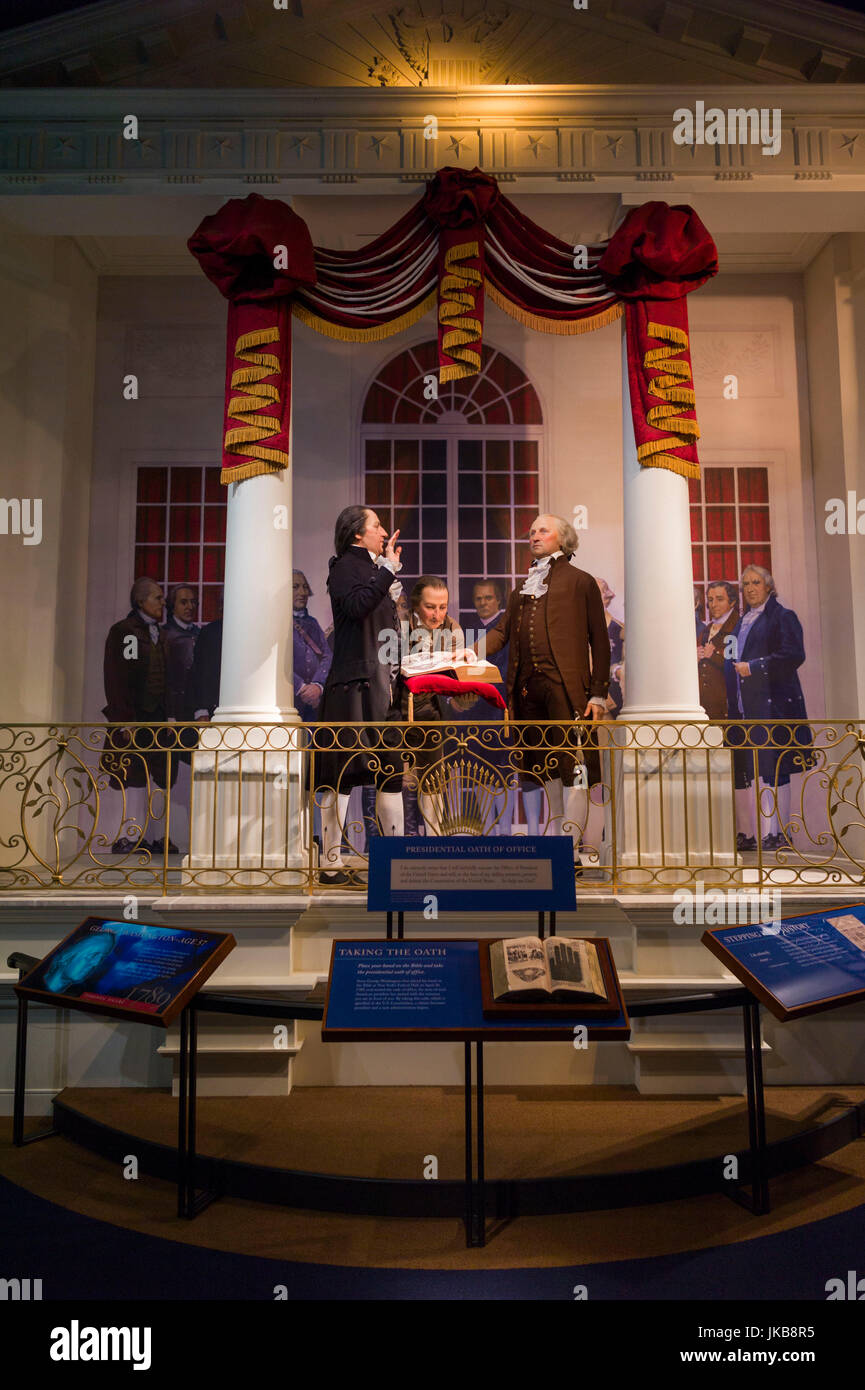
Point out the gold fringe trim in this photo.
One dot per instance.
(255, 395)
(565, 327)
(669, 386)
(246, 470)
(377, 334)
(457, 300)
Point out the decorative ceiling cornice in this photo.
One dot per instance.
(618, 137)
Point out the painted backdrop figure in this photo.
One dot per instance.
(722, 601)
(762, 684)
(359, 685)
(559, 668)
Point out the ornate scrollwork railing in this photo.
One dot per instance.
(98, 807)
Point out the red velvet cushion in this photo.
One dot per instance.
(449, 685)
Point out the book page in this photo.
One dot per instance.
(526, 964)
(574, 965)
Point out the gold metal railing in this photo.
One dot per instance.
(99, 807)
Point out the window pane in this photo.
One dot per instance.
(405, 520)
(427, 356)
(471, 523)
(210, 598)
(378, 406)
(150, 525)
(695, 491)
(377, 489)
(214, 523)
(753, 485)
(378, 454)
(722, 561)
(435, 523)
(720, 523)
(183, 564)
(526, 489)
(435, 489)
(498, 523)
(499, 489)
(150, 562)
(405, 455)
(498, 557)
(410, 562)
(471, 487)
(696, 524)
(754, 523)
(471, 557)
(214, 564)
(185, 524)
(213, 489)
(525, 456)
(697, 561)
(186, 484)
(408, 412)
(470, 455)
(719, 485)
(757, 555)
(435, 557)
(523, 518)
(505, 373)
(152, 484)
(405, 489)
(498, 457)
(435, 455)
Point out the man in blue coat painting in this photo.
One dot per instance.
(312, 654)
(762, 684)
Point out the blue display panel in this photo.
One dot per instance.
(127, 969)
(518, 873)
(428, 991)
(798, 964)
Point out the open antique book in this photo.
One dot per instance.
(524, 968)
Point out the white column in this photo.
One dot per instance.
(661, 677)
(257, 631)
(673, 786)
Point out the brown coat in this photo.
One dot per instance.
(713, 685)
(576, 627)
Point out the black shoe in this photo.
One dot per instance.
(125, 846)
(158, 846)
(334, 877)
(744, 843)
(773, 842)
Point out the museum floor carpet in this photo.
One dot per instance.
(391, 1131)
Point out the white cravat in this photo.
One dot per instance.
(152, 624)
(535, 585)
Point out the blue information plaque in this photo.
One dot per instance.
(127, 969)
(798, 965)
(429, 991)
(508, 873)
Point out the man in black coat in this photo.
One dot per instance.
(134, 671)
(359, 685)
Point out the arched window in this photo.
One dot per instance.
(455, 467)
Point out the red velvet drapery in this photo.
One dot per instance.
(462, 240)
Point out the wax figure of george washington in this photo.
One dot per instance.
(558, 668)
(359, 684)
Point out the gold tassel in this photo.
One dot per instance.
(255, 396)
(376, 334)
(668, 386)
(246, 470)
(564, 327)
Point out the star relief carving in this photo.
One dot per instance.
(299, 144)
(848, 143)
(66, 144)
(613, 143)
(536, 144)
(375, 144)
(456, 142)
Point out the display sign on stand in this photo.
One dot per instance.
(430, 991)
(475, 873)
(798, 965)
(129, 970)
